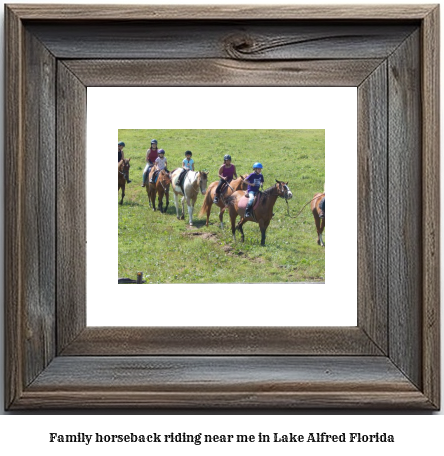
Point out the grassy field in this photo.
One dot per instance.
(166, 250)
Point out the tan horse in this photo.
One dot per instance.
(262, 213)
(194, 182)
(236, 184)
(319, 222)
(123, 169)
(162, 188)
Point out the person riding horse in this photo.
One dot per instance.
(121, 155)
(159, 165)
(255, 181)
(187, 165)
(226, 173)
(151, 155)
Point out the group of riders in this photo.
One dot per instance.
(156, 162)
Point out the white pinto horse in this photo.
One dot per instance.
(194, 182)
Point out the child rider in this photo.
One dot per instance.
(255, 181)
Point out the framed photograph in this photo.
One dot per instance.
(389, 359)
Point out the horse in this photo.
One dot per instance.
(123, 168)
(262, 210)
(192, 183)
(236, 184)
(319, 222)
(162, 188)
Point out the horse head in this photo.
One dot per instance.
(203, 181)
(283, 190)
(167, 179)
(243, 183)
(124, 167)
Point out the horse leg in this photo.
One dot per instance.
(318, 226)
(233, 224)
(182, 217)
(160, 202)
(167, 198)
(221, 217)
(123, 193)
(148, 195)
(239, 227)
(152, 197)
(190, 205)
(321, 229)
(176, 204)
(263, 227)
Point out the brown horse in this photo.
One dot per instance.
(162, 188)
(123, 168)
(261, 213)
(319, 222)
(236, 184)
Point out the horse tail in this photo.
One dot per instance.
(229, 200)
(206, 203)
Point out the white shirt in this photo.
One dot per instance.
(160, 162)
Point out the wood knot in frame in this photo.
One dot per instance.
(239, 46)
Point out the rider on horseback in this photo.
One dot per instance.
(151, 155)
(255, 180)
(187, 165)
(159, 164)
(121, 155)
(226, 173)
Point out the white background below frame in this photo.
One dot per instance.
(331, 304)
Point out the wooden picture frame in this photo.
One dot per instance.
(390, 360)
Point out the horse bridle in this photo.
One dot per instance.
(122, 173)
(161, 183)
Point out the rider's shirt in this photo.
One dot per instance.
(161, 163)
(228, 173)
(152, 155)
(188, 163)
(256, 179)
(120, 155)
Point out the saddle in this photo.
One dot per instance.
(155, 176)
(224, 188)
(181, 178)
(243, 202)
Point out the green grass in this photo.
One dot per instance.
(166, 250)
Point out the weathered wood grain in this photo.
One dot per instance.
(127, 341)
(430, 95)
(71, 206)
(38, 222)
(216, 40)
(234, 382)
(372, 207)
(408, 377)
(221, 72)
(13, 185)
(405, 209)
(220, 12)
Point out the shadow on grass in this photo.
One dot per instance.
(131, 203)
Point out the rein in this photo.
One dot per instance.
(161, 182)
(303, 207)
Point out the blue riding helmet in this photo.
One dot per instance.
(257, 165)
(188, 152)
(121, 143)
(154, 141)
(160, 151)
(227, 157)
